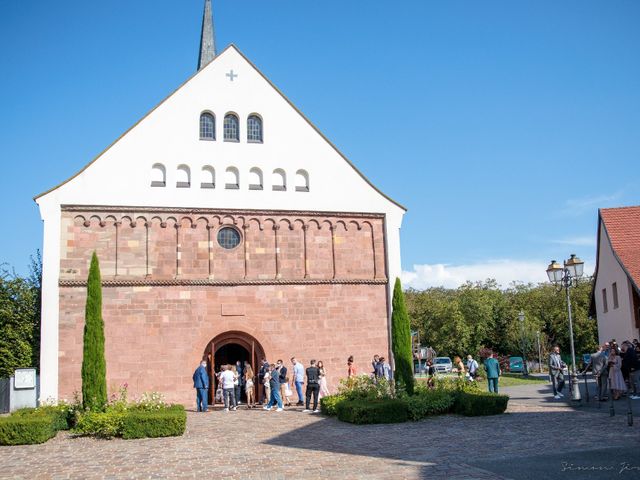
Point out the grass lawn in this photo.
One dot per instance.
(506, 380)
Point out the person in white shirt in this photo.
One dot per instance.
(472, 367)
(298, 378)
(227, 378)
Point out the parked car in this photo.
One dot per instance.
(516, 365)
(443, 364)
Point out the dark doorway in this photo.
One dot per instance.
(229, 354)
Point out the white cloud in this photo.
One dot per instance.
(581, 241)
(452, 276)
(582, 205)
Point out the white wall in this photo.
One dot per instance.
(121, 176)
(618, 322)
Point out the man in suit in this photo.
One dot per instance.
(556, 367)
(492, 367)
(201, 384)
(601, 372)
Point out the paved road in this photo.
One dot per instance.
(294, 445)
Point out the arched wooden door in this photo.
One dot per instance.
(246, 341)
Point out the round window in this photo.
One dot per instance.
(228, 238)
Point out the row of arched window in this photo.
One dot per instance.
(231, 127)
(231, 178)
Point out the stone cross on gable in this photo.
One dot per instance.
(232, 75)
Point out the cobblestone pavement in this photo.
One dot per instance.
(290, 445)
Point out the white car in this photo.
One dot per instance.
(443, 364)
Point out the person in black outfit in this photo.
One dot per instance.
(313, 386)
(264, 368)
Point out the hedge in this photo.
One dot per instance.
(480, 403)
(434, 402)
(142, 424)
(372, 411)
(328, 404)
(27, 430)
(60, 415)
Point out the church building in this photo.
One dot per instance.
(227, 227)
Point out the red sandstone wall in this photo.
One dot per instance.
(155, 336)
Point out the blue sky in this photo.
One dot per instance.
(501, 125)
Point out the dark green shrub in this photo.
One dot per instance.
(59, 414)
(94, 366)
(374, 411)
(431, 402)
(329, 403)
(480, 403)
(401, 341)
(170, 422)
(26, 429)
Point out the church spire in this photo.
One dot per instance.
(207, 39)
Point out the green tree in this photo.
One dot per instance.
(94, 367)
(19, 318)
(401, 340)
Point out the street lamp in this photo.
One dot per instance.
(566, 276)
(525, 372)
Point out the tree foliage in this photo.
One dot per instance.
(401, 340)
(94, 367)
(20, 318)
(476, 315)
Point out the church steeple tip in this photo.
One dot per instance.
(207, 37)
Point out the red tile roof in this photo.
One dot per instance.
(623, 227)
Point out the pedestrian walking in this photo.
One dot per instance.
(556, 371)
(492, 366)
(201, 384)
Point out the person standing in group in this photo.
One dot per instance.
(298, 379)
(472, 367)
(249, 388)
(284, 383)
(201, 384)
(616, 380)
(240, 385)
(274, 384)
(266, 384)
(313, 386)
(387, 373)
(236, 384)
(324, 389)
(264, 369)
(457, 361)
(635, 375)
(351, 368)
(374, 365)
(601, 372)
(556, 370)
(227, 378)
(492, 366)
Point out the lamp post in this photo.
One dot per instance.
(566, 276)
(525, 372)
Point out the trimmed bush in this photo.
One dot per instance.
(434, 402)
(376, 411)
(329, 403)
(101, 424)
(26, 429)
(480, 403)
(60, 415)
(170, 422)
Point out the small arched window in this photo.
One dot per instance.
(279, 180)
(208, 177)
(158, 175)
(207, 126)
(232, 178)
(302, 181)
(183, 177)
(254, 129)
(231, 128)
(255, 179)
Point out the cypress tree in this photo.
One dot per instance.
(401, 340)
(94, 367)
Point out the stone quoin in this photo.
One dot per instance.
(227, 228)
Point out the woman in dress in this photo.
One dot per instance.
(351, 368)
(457, 361)
(248, 386)
(616, 380)
(267, 385)
(324, 390)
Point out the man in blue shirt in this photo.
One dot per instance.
(298, 379)
(201, 384)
